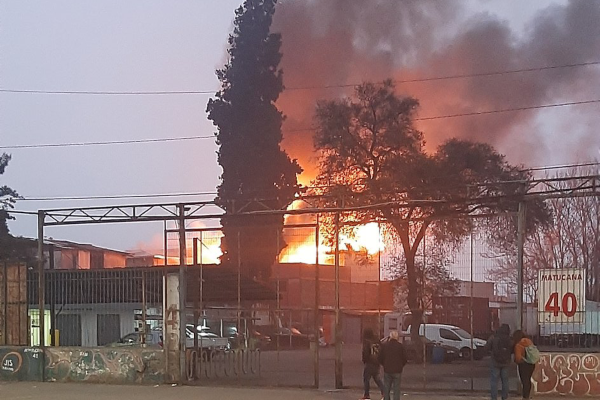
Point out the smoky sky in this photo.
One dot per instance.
(338, 42)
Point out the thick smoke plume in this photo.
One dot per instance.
(337, 42)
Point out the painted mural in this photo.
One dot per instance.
(575, 374)
(104, 365)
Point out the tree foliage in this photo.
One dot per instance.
(372, 153)
(8, 198)
(249, 135)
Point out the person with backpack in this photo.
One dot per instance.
(370, 358)
(393, 359)
(501, 347)
(526, 357)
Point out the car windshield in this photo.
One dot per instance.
(462, 333)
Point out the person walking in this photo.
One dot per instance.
(370, 358)
(526, 357)
(501, 348)
(393, 359)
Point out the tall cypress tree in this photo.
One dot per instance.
(249, 135)
(9, 246)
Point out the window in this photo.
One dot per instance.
(448, 334)
(462, 333)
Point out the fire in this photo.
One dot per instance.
(366, 237)
(304, 253)
(363, 238)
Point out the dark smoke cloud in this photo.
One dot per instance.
(332, 42)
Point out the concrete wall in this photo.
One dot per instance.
(576, 374)
(75, 364)
(104, 365)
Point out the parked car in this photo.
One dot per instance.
(153, 339)
(206, 339)
(449, 353)
(285, 338)
(454, 337)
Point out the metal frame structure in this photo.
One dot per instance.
(181, 212)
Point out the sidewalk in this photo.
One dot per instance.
(89, 391)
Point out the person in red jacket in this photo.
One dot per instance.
(525, 369)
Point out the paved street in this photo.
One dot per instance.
(79, 391)
(295, 368)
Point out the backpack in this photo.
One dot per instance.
(502, 349)
(532, 355)
(374, 353)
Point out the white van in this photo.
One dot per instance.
(453, 336)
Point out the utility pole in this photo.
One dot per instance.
(521, 217)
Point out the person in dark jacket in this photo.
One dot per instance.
(393, 359)
(501, 347)
(370, 358)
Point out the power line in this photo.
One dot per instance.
(104, 143)
(294, 88)
(572, 103)
(135, 141)
(458, 76)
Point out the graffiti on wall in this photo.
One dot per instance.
(568, 373)
(104, 365)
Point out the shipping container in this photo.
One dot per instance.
(456, 310)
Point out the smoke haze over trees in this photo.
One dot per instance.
(249, 136)
(371, 154)
(341, 41)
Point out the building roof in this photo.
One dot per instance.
(65, 244)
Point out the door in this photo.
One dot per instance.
(108, 329)
(69, 329)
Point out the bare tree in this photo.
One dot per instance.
(571, 240)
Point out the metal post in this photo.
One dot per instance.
(201, 304)
(338, 328)
(471, 304)
(317, 302)
(423, 315)
(52, 298)
(182, 297)
(165, 244)
(520, 249)
(379, 281)
(41, 278)
(196, 300)
(278, 307)
(144, 305)
(239, 284)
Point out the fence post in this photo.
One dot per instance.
(520, 249)
(41, 279)
(182, 296)
(316, 311)
(338, 328)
